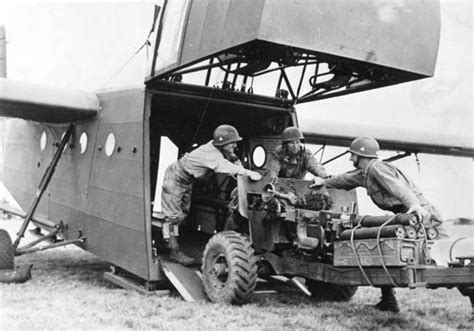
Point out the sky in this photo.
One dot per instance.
(85, 45)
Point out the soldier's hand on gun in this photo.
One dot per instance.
(253, 175)
(423, 215)
(317, 182)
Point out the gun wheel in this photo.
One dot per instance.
(6, 251)
(229, 268)
(330, 292)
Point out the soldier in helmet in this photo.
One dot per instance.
(292, 160)
(218, 155)
(389, 188)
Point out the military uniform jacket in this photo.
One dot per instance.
(282, 165)
(180, 176)
(207, 159)
(388, 187)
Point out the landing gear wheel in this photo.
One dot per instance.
(229, 268)
(330, 292)
(6, 251)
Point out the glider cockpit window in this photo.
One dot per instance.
(254, 47)
(169, 39)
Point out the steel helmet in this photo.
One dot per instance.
(365, 146)
(225, 134)
(291, 133)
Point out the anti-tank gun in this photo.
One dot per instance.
(318, 235)
(314, 226)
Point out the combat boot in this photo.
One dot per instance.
(388, 302)
(176, 254)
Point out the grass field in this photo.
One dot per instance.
(67, 291)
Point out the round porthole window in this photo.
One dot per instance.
(110, 144)
(43, 140)
(259, 156)
(83, 142)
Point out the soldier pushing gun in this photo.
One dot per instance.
(389, 188)
(218, 155)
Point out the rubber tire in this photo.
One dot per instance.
(233, 255)
(6, 251)
(330, 292)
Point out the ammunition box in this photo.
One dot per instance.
(395, 252)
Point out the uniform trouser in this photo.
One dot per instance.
(176, 194)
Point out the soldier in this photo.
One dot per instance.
(389, 188)
(289, 160)
(292, 160)
(218, 155)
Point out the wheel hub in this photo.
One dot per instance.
(219, 269)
